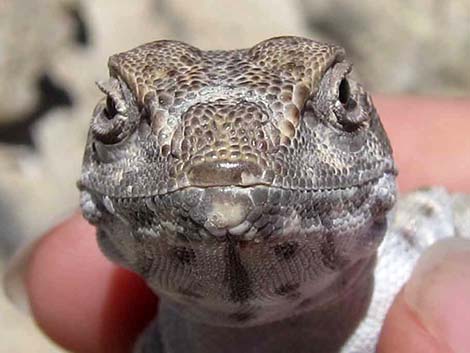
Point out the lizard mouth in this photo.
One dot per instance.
(228, 173)
(252, 211)
(246, 174)
(256, 211)
(242, 175)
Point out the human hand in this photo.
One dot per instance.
(87, 304)
(432, 312)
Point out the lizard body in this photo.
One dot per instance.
(250, 188)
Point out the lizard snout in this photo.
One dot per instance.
(220, 173)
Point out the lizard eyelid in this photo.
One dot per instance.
(115, 101)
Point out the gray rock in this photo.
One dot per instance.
(417, 46)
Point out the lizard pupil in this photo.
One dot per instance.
(344, 95)
(110, 111)
(344, 92)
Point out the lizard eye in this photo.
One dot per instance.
(343, 100)
(109, 122)
(344, 93)
(115, 116)
(350, 115)
(110, 110)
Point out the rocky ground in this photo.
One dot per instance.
(51, 52)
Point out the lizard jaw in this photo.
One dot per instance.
(246, 213)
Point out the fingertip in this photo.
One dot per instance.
(129, 306)
(61, 301)
(432, 312)
(402, 332)
(79, 298)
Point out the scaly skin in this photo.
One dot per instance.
(250, 189)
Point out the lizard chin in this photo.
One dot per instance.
(232, 251)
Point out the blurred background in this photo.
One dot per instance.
(52, 52)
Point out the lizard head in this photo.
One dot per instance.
(231, 165)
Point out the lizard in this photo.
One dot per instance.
(255, 192)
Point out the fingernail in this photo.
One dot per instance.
(438, 292)
(14, 278)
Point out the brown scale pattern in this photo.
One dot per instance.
(284, 71)
(272, 104)
(224, 132)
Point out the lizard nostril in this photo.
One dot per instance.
(225, 173)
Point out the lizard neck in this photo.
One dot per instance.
(323, 329)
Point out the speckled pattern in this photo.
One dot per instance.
(244, 105)
(250, 189)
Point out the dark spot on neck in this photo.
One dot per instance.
(242, 316)
(329, 254)
(236, 275)
(288, 288)
(184, 255)
(287, 250)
